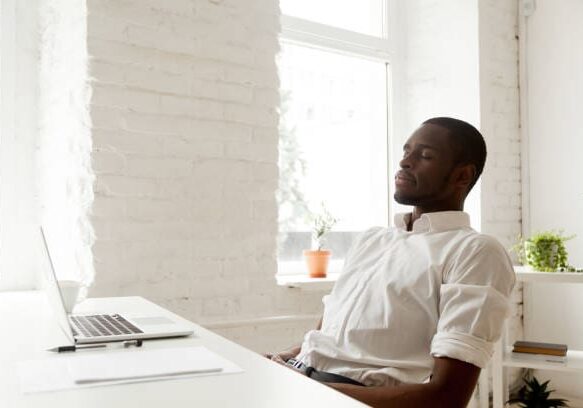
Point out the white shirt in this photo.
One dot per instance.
(403, 297)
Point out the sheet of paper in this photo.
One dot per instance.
(113, 367)
(144, 364)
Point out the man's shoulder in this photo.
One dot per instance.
(371, 237)
(483, 249)
(477, 241)
(374, 231)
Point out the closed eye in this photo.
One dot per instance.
(418, 154)
(423, 151)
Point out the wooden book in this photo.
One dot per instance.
(532, 347)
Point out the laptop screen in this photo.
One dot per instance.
(51, 287)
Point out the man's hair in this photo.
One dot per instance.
(468, 143)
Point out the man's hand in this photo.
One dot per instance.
(283, 356)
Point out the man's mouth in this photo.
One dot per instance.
(403, 178)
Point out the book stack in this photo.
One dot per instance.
(530, 350)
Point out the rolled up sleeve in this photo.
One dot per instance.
(474, 302)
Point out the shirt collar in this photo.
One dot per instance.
(435, 221)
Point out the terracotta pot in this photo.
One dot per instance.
(317, 263)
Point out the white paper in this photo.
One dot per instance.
(113, 367)
(144, 364)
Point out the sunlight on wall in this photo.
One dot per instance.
(65, 176)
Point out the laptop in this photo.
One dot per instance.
(101, 328)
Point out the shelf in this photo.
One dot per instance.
(503, 356)
(574, 362)
(525, 274)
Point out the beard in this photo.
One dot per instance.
(422, 199)
(406, 200)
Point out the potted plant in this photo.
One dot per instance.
(544, 251)
(317, 258)
(535, 395)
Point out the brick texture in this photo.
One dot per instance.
(499, 119)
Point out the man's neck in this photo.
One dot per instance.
(419, 211)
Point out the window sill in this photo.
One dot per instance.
(293, 274)
(304, 282)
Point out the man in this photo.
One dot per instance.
(417, 308)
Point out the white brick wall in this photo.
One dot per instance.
(499, 119)
(184, 115)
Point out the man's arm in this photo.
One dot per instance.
(283, 356)
(451, 386)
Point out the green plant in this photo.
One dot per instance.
(535, 395)
(323, 223)
(544, 251)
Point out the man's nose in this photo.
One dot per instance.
(405, 162)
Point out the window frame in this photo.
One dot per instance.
(299, 31)
(309, 33)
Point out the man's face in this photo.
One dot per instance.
(424, 177)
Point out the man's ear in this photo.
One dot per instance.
(464, 175)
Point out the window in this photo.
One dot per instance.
(364, 16)
(334, 85)
(18, 132)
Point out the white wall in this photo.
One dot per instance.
(555, 88)
(184, 124)
(458, 63)
(440, 72)
(442, 58)
(554, 63)
(19, 49)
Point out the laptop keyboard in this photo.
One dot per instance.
(102, 325)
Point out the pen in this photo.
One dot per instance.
(62, 349)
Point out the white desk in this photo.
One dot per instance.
(29, 330)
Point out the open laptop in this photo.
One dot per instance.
(100, 328)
